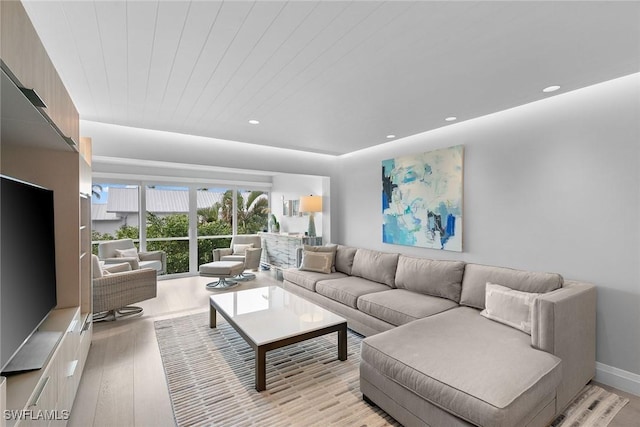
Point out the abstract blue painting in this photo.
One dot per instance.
(422, 199)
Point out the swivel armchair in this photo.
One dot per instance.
(246, 248)
(116, 287)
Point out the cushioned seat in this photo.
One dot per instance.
(347, 290)
(308, 279)
(400, 306)
(155, 265)
(222, 270)
(478, 369)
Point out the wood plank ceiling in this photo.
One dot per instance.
(326, 76)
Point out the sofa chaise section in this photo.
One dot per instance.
(479, 370)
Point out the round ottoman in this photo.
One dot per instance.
(222, 270)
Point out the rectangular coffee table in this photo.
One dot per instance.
(270, 317)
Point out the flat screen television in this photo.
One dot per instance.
(27, 263)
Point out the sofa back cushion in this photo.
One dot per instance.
(476, 277)
(376, 266)
(344, 259)
(430, 277)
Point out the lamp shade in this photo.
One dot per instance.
(311, 204)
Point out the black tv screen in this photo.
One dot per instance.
(27, 262)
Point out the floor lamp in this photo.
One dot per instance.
(311, 205)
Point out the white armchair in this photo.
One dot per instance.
(246, 248)
(123, 250)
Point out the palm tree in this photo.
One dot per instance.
(252, 217)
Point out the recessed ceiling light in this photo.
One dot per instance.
(390, 136)
(254, 122)
(451, 118)
(550, 89)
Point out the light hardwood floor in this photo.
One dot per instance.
(124, 383)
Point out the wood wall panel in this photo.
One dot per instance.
(22, 51)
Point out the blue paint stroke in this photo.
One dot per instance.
(393, 232)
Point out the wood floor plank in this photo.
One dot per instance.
(115, 397)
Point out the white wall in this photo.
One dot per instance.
(552, 186)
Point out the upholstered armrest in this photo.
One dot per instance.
(219, 253)
(122, 289)
(155, 256)
(152, 256)
(563, 322)
(252, 258)
(117, 268)
(299, 254)
(135, 265)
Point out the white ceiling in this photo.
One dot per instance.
(326, 76)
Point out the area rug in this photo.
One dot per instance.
(594, 407)
(210, 375)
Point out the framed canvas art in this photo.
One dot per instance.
(422, 199)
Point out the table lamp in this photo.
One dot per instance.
(310, 205)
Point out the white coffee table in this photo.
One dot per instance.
(270, 317)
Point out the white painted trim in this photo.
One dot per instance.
(618, 378)
(121, 161)
(176, 179)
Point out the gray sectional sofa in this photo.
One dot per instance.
(435, 355)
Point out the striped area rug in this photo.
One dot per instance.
(210, 373)
(594, 407)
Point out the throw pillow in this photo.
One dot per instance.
(328, 248)
(319, 262)
(508, 306)
(127, 253)
(241, 249)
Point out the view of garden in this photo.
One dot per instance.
(169, 231)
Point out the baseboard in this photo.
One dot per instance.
(618, 378)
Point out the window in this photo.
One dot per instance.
(167, 213)
(186, 222)
(253, 211)
(215, 221)
(114, 213)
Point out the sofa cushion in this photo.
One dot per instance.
(479, 370)
(431, 277)
(321, 262)
(344, 258)
(476, 277)
(508, 306)
(308, 279)
(349, 289)
(400, 306)
(377, 266)
(328, 248)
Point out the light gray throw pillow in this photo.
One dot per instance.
(508, 306)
